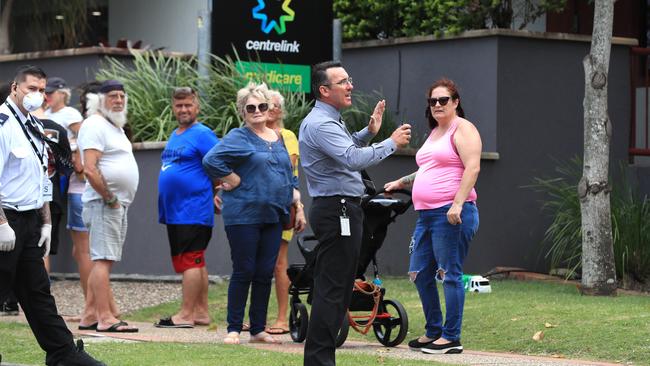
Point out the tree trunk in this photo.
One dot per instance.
(5, 17)
(598, 265)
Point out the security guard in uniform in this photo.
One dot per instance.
(25, 229)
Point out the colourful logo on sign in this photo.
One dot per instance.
(279, 26)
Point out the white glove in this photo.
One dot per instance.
(7, 238)
(46, 237)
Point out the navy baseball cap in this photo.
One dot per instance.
(54, 84)
(110, 85)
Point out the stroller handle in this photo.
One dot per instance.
(367, 199)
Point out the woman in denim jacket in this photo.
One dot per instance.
(258, 187)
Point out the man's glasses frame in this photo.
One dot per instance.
(344, 82)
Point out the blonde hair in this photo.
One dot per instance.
(68, 93)
(259, 91)
(277, 94)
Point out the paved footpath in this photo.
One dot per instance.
(149, 333)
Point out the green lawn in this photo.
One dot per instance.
(18, 345)
(593, 328)
(609, 329)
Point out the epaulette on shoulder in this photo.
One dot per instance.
(3, 119)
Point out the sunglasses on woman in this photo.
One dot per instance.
(442, 100)
(263, 107)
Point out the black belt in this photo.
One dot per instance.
(16, 212)
(352, 199)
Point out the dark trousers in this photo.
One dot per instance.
(22, 271)
(334, 272)
(254, 251)
(11, 299)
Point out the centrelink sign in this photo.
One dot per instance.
(286, 36)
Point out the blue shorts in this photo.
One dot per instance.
(75, 222)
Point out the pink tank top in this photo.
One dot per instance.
(440, 172)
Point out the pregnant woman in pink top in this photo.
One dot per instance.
(444, 196)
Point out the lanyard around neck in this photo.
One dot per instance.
(29, 138)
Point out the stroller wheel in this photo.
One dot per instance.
(298, 322)
(391, 330)
(343, 332)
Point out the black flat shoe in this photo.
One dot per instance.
(80, 358)
(416, 345)
(451, 347)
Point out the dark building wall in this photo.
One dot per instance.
(525, 96)
(76, 66)
(146, 250)
(540, 114)
(404, 72)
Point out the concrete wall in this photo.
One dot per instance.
(147, 251)
(76, 66)
(523, 91)
(171, 24)
(541, 90)
(403, 74)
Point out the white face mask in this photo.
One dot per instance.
(33, 101)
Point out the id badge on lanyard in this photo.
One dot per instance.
(345, 220)
(47, 189)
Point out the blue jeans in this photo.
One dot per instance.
(253, 250)
(438, 250)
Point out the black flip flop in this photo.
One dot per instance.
(88, 327)
(115, 328)
(169, 323)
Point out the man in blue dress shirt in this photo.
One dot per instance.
(332, 159)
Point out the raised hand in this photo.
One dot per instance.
(375, 119)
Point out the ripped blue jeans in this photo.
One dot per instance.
(438, 250)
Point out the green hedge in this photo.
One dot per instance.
(371, 19)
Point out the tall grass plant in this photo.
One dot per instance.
(151, 77)
(630, 223)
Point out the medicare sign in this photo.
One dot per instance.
(285, 36)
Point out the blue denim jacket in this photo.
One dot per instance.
(267, 181)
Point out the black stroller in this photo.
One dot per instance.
(387, 318)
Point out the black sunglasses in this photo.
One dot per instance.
(263, 107)
(443, 101)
